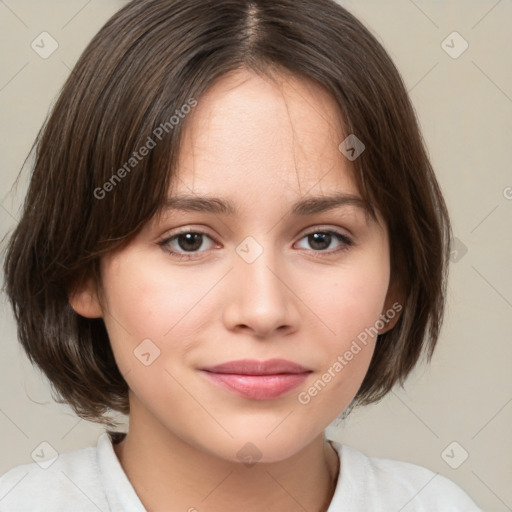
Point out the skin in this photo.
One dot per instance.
(263, 145)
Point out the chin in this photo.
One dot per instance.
(252, 446)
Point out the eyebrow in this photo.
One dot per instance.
(307, 206)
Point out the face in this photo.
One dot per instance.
(268, 282)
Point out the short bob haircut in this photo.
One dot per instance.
(150, 59)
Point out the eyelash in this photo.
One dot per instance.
(346, 243)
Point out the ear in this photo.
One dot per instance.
(393, 306)
(84, 300)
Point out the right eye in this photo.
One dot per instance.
(184, 244)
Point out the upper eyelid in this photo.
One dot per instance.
(314, 229)
(188, 229)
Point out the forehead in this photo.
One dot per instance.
(251, 135)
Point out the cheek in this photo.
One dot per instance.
(156, 303)
(349, 299)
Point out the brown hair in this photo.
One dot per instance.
(151, 58)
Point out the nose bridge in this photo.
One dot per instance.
(260, 298)
(253, 268)
(257, 259)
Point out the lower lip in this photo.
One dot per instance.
(257, 387)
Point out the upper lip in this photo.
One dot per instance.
(254, 367)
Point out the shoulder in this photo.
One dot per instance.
(69, 482)
(386, 484)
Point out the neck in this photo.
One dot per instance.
(170, 474)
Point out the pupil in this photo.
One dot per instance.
(324, 239)
(189, 239)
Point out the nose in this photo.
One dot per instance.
(261, 297)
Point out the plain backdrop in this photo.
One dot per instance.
(454, 416)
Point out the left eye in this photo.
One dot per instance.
(321, 240)
(186, 245)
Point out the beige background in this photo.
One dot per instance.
(465, 109)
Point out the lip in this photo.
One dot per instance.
(254, 367)
(257, 380)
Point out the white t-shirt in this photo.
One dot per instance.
(92, 480)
